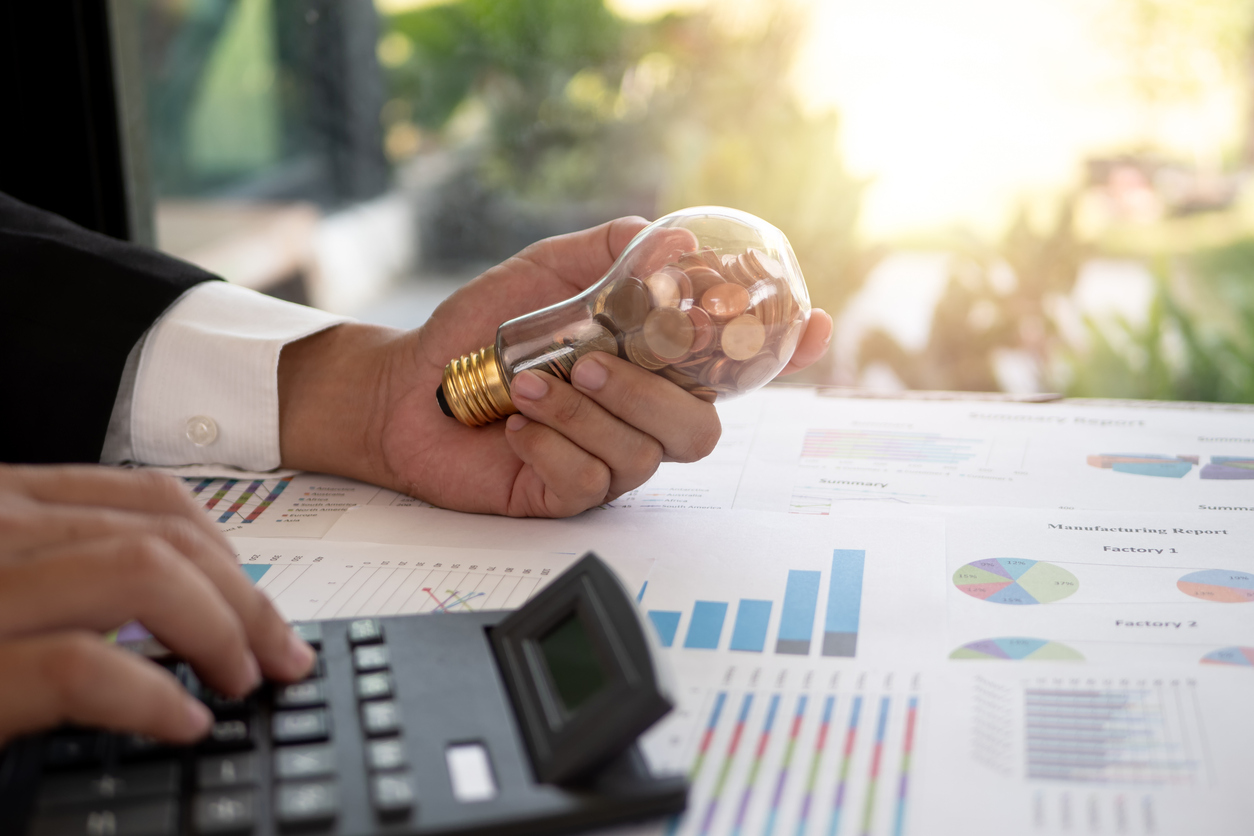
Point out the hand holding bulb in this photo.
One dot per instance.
(576, 444)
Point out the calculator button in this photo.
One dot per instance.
(385, 754)
(224, 812)
(223, 706)
(227, 771)
(309, 802)
(379, 718)
(318, 670)
(374, 686)
(308, 694)
(364, 631)
(90, 787)
(392, 794)
(310, 631)
(65, 751)
(229, 735)
(300, 726)
(372, 657)
(134, 747)
(304, 762)
(149, 818)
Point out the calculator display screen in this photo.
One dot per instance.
(572, 662)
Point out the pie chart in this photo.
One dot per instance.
(1239, 656)
(1018, 648)
(1220, 585)
(1015, 580)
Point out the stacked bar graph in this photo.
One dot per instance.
(1149, 735)
(751, 618)
(237, 500)
(768, 763)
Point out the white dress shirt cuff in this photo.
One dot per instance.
(206, 383)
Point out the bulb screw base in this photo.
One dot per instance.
(474, 390)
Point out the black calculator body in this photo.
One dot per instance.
(406, 726)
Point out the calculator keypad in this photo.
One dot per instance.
(268, 765)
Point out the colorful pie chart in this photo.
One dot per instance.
(1144, 464)
(1219, 585)
(1015, 580)
(1239, 656)
(1017, 648)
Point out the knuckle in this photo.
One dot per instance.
(701, 441)
(649, 456)
(572, 409)
(179, 531)
(145, 558)
(591, 480)
(159, 486)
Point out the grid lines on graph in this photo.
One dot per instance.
(882, 445)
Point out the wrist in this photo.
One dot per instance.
(332, 395)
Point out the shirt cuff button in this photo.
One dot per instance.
(202, 430)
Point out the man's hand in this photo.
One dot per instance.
(360, 401)
(84, 550)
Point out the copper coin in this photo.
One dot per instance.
(711, 258)
(770, 265)
(742, 337)
(690, 261)
(638, 352)
(628, 304)
(702, 279)
(704, 330)
(678, 376)
(766, 305)
(716, 373)
(669, 333)
(756, 372)
(734, 272)
(705, 393)
(663, 287)
(725, 301)
(749, 258)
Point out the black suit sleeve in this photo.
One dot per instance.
(73, 304)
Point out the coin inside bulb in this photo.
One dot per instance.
(743, 337)
(669, 333)
(628, 304)
(725, 301)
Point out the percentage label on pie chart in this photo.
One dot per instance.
(1017, 648)
(1239, 656)
(1015, 580)
(1220, 585)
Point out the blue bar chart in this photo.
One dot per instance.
(745, 625)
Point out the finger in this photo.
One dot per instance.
(76, 677)
(686, 426)
(280, 653)
(104, 583)
(631, 455)
(558, 478)
(813, 343)
(130, 490)
(581, 258)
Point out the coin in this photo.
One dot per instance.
(702, 278)
(705, 393)
(598, 338)
(669, 333)
(613, 330)
(725, 301)
(769, 265)
(742, 337)
(788, 343)
(715, 373)
(734, 272)
(754, 373)
(628, 304)
(638, 352)
(704, 330)
(663, 287)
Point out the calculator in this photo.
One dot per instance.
(469, 723)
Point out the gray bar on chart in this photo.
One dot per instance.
(840, 644)
(794, 647)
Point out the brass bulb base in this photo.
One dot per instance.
(475, 390)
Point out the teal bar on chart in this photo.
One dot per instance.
(706, 627)
(796, 622)
(844, 603)
(255, 571)
(666, 622)
(749, 629)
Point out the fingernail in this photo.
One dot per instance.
(299, 654)
(589, 374)
(516, 422)
(199, 718)
(530, 386)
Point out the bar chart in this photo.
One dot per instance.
(237, 500)
(785, 763)
(707, 621)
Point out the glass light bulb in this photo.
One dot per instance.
(710, 298)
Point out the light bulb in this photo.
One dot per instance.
(710, 298)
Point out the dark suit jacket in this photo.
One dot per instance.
(72, 304)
